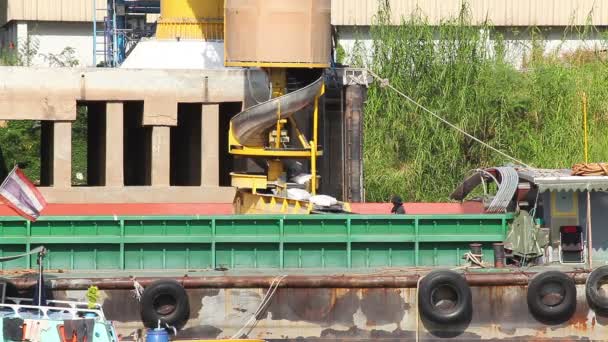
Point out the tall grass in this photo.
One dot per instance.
(455, 70)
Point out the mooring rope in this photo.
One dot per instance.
(37, 250)
(384, 83)
(138, 290)
(590, 169)
(274, 285)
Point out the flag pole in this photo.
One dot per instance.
(40, 278)
(586, 152)
(8, 176)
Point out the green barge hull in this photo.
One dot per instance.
(347, 277)
(250, 242)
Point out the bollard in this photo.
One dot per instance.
(476, 250)
(499, 254)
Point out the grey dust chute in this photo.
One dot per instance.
(268, 134)
(251, 125)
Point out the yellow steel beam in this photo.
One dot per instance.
(249, 203)
(299, 134)
(262, 152)
(248, 181)
(314, 144)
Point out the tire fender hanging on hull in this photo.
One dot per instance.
(597, 299)
(551, 297)
(444, 297)
(165, 301)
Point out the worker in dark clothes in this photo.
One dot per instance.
(397, 205)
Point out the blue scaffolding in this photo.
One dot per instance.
(119, 37)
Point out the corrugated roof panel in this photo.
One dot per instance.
(562, 180)
(500, 13)
(50, 10)
(580, 185)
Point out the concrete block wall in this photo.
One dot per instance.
(114, 189)
(133, 123)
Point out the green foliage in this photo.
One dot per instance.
(20, 143)
(340, 54)
(20, 55)
(455, 70)
(28, 49)
(9, 56)
(66, 58)
(92, 296)
(79, 147)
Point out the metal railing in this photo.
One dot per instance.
(75, 310)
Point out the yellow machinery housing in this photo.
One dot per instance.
(191, 19)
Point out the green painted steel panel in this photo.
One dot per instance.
(80, 257)
(13, 228)
(449, 253)
(9, 250)
(308, 227)
(141, 256)
(247, 255)
(250, 242)
(315, 255)
(393, 254)
(75, 228)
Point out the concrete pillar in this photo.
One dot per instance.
(24, 44)
(353, 117)
(161, 155)
(114, 144)
(21, 31)
(210, 171)
(62, 154)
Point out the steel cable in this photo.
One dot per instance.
(384, 82)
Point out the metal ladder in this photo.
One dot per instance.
(99, 53)
(103, 40)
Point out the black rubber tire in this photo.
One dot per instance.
(167, 301)
(462, 309)
(551, 314)
(595, 300)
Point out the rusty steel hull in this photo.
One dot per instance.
(334, 307)
(391, 280)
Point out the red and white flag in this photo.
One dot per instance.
(20, 194)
